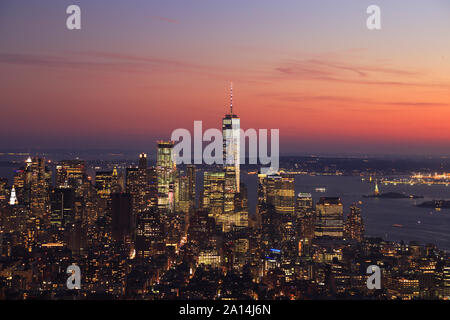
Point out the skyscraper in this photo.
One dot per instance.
(191, 174)
(122, 217)
(231, 155)
(305, 215)
(329, 218)
(137, 184)
(142, 161)
(354, 225)
(4, 191)
(70, 173)
(38, 180)
(149, 234)
(152, 183)
(182, 199)
(166, 170)
(277, 190)
(213, 192)
(62, 206)
(105, 182)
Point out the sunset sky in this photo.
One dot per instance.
(139, 69)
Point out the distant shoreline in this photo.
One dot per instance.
(393, 195)
(435, 204)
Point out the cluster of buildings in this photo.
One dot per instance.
(145, 233)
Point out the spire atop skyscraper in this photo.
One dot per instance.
(231, 98)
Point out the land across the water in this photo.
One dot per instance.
(393, 195)
(435, 204)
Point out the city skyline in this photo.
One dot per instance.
(138, 231)
(241, 151)
(312, 70)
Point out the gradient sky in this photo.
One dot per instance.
(139, 69)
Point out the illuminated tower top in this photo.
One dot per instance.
(143, 161)
(28, 162)
(13, 199)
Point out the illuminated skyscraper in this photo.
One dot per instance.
(152, 183)
(185, 190)
(231, 155)
(70, 173)
(191, 174)
(354, 225)
(166, 171)
(19, 184)
(4, 194)
(284, 200)
(142, 161)
(105, 182)
(277, 190)
(182, 199)
(329, 218)
(446, 281)
(306, 222)
(276, 208)
(132, 183)
(137, 184)
(38, 178)
(304, 202)
(149, 234)
(306, 216)
(213, 192)
(62, 206)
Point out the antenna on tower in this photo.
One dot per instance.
(231, 98)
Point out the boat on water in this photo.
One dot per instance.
(321, 189)
(397, 226)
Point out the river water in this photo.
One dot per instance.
(419, 224)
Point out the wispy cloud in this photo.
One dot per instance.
(105, 62)
(309, 99)
(351, 73)
(128, 63)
